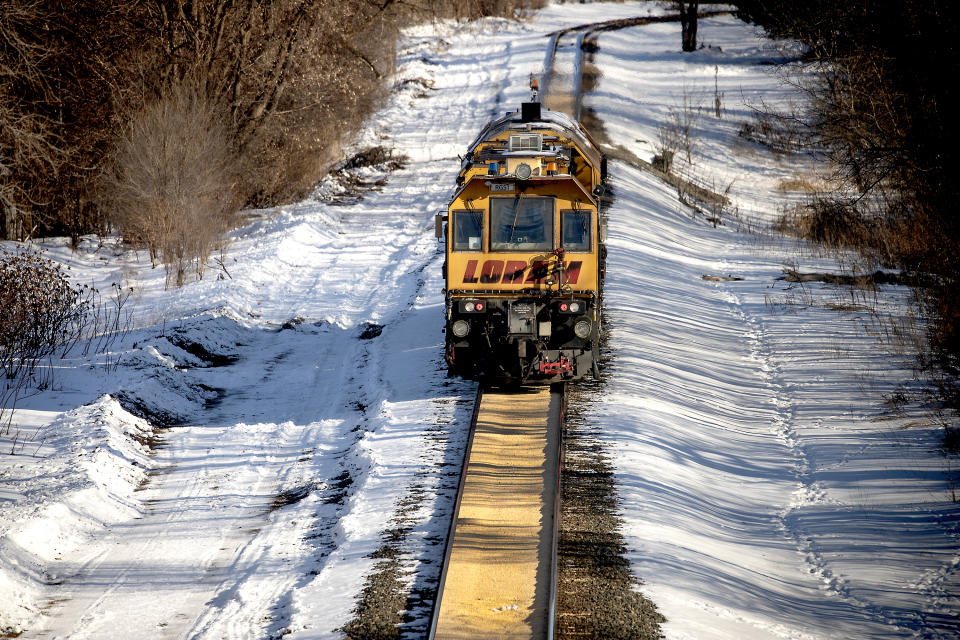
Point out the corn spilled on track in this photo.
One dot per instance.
(498, 576)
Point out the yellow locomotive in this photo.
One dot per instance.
(524, 251)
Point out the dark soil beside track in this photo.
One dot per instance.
(597, 596)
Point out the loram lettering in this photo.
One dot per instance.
(516, 272)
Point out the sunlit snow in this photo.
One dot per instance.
(766, 489)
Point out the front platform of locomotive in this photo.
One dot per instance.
(523, 262)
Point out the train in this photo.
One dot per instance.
(525, 251)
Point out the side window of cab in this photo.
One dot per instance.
(576, 226)
(468, 230)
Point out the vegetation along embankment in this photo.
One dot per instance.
(881, 106)
(161, 119)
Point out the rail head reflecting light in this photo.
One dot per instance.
(582, 329)
(460, 328)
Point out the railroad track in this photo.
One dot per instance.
(499, 569)
(498, 578)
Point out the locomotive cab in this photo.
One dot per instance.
(524, 252)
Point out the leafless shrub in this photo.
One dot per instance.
(677, 133)
(776, 131)
(717, 94)
(107, 320)
(171, 181)
(826, 222)
(719, 208)
(40, 312)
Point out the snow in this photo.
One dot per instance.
(766, 489)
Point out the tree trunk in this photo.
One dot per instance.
(12, 225)
(688, 23)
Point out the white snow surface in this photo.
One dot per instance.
(766, 489)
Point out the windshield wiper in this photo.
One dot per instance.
(516, 214)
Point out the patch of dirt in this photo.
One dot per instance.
(371, 330)
(856, 280)
(150, 440)
(375, 156)
(154, 415)
(293, 323)
(290, 496)
(196, 349)
(363, 172)
(336, 492)
(380, 610)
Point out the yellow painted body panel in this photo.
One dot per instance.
(485, 270)
(479, 272)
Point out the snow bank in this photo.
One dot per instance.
(75, 476)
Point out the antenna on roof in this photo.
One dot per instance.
(534, 88)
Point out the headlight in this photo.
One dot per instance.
(523, 171)
(468, 306)
(581, 329)
(574, 307)
(462, 327)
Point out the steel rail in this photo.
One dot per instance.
(548, 64)
(448, 546)
(578, 74)
(552, 606)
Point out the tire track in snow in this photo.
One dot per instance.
(254, 599)
(132, 550)
(412, 533)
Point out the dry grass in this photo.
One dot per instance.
(803, 184)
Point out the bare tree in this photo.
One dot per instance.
(295, 78)
(172, 179)
(29, 144)
(688, 23)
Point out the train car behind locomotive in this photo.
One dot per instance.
(524, 251)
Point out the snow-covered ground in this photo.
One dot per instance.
(766, 490)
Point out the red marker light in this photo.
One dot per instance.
(563, 306)
(479, 306)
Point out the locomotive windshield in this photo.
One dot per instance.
(521, 224)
